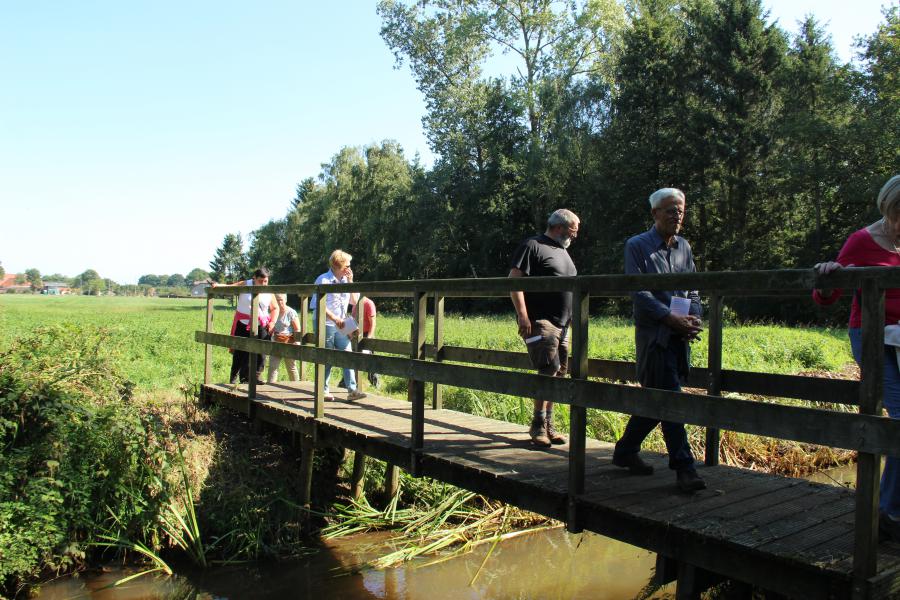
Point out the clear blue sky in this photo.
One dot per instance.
(135, 135)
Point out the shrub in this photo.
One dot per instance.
(75, 456)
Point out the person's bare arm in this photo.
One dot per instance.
(518, 300)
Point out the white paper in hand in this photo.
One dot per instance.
(680, 307)
(349, 326)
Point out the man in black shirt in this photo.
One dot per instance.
(544, 317)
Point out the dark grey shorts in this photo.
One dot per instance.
(550, 354)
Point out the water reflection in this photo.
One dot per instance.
(549, 565)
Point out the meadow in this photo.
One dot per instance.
(155, 337)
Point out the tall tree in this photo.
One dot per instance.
(33, 276)
(230, 262)
(197, 274)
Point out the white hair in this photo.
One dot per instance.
(657, 197)
(889, 196)
(562, 216)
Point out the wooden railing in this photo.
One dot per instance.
(865, 431)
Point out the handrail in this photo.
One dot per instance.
(867, 432)
(773, 282)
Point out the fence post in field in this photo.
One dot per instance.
(254, 333)
(304, 317)
(437, 393)
(714, 365)
(307, 453)
(577, 414)
(416, 387)
(320, 366)
(207, 349)
(868, 467)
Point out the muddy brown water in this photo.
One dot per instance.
(547, 565)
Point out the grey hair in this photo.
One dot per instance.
(889, 196)
(562, 216)
(659, 195)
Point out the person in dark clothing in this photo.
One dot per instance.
(665, 322)
(544, 318)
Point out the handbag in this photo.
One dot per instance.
(284, 338)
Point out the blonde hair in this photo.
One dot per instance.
(889, 197)
(339, 258)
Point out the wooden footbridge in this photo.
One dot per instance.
(784, 535)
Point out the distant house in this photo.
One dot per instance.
(56, 288)
(198, 289)
(9, 286)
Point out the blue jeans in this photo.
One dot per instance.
(664, 377)
(889, 501)
(336, 340)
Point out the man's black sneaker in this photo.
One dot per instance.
(689, 481)
(634, 463)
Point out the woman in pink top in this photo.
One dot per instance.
(877, 245)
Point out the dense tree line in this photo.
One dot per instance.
(780, 148)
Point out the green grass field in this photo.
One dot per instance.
(156, 336)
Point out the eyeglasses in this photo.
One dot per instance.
(674, 211)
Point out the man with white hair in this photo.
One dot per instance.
(665, 322)
(544, 318)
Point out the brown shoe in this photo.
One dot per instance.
(538, 433)
(554, 436)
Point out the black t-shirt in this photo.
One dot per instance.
(541, 256)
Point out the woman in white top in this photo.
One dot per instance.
(287, 328)
(240, 325)
(336, 315)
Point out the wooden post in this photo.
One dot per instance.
(437, 392)
(714, 364)
(304, 317)
(320, 367)
(391, 480)
(417, 388)
(307, 453)
(358, 478)
(254, 332)
(865, 552)
(354, 341)
(207, 349)
(577, 414)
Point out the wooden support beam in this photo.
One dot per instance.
(254, 332)
(304, 319)
(320, 366)
(437, 391)
(417, 385)
(307, 453)
(865, 547)
(207, 349)
(577, 414)
(391, 480)
(693, 581)
(358, 477)
(666, 570)
(714, 366)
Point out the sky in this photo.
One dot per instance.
(135, 135)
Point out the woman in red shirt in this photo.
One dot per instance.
(877, 245)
